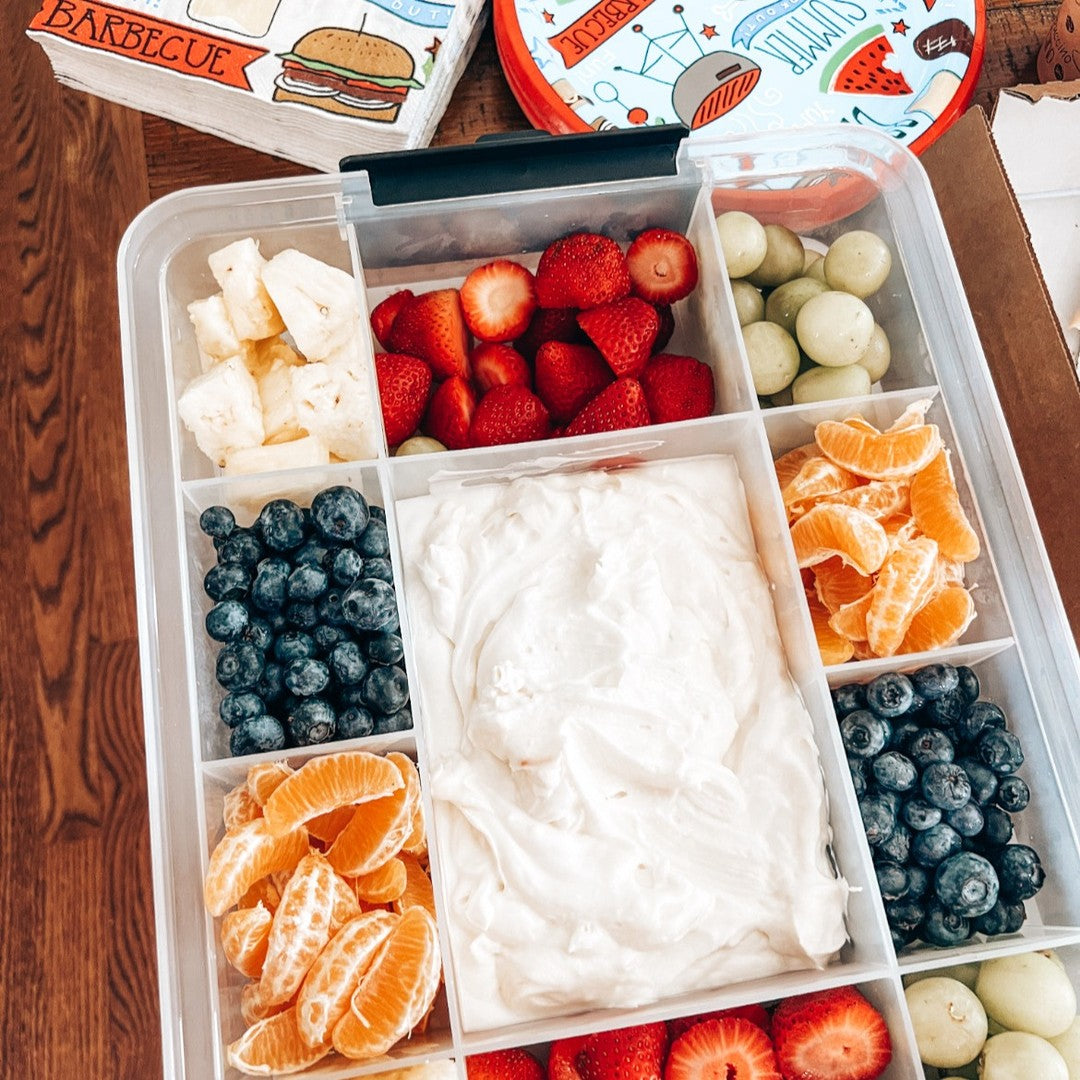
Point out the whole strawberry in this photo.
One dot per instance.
(503, 1065)
(568, 377)
(384, 314)
(450, 413)
(404, 383)
(620, 405)
(432, 326)
(581, 271)
(624, 332)
(549, 324)
(509, 414)
(633, 1053)
(678, 388)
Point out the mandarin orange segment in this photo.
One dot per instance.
(850, 620)
(244, 856)
(935, 505)
(902, 587)
(333, 978)
(346, 906)
(418, 888)
(264, 778)
(244, 937)
(860, 423)
(264, 892)
(827, 531)
(327, 827)
(326, 783)
(253, 1008)
(384, 884)
(833, 647)
(837, 584)
(273, 1046)
(912, 416)
(787, 465)
(881, 499)
(396, 992)
(416, 842)
(239, 808)
(816, 479)
(941, 621)
(889, 455)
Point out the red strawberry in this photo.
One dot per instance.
(581, 271)
(450, 413)
(663, 266)
(568, 377)
(667, 327)
(633, 1053)
(624, 331)
(620, 405)
(503, 1065)
(498, 299)
(549, 324)
(404, 382)
(494, 364)
(756, 1014)
(678, 388)
(833, 1033)
(509, 414)
(562, 1057)
(432, 327)
(723, 1048)
(384, 314)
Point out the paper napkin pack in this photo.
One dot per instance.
(309, 81)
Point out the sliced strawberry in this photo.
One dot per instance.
(562, 1057)
(432, 326)
(581, 271)
(568, 377)
(834, 1033)
(663, 266)
(549, 324)
(450, 413)
(678, 388)
(509, 414)
(498, 300)
(729, 1048)
(503, 1065)
(624, 332)
(667, 327)
(494, 364)
(756, 1014)
(404, 383)
(633, 1053)
(620, 405)
(384, 314)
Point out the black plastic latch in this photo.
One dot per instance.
(519, 161)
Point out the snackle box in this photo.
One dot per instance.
(424, 220)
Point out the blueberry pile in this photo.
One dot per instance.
(305, 609)
(934, 770)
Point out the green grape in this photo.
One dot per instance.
(773, 357)
(785, 300)
(1067, 1044)
(878, 355)
(858, 262)
(749, 303)
(784, 256)
(1028, 992)
(830, 383)
(834, 328)
(816, 269)
(810, 257)
(965, 973)
(949, 1022)
(743, 242)
(1015, 1054)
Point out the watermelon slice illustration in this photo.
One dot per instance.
(858, 67)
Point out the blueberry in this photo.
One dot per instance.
(326, 637)
(997, 827)
(848, 698)
(354, 723)
(967, 821)
(217, 522)
(311, 722)
(934, 845)
(918, 814)
(878, 819)
(294, 645)
(905, 914)
(271, 684)
(918, 703)
(999, 750)
(269, 588)
(1020, 872)
(330, 609)
(935, 680)
(889, 695)
(857, 768)
(1012, 794)
(386, 689)
(399, 721)
(307, 583)
(930, 745)
(385, 648)
(281, 525)
(900, 938)
(306, 677)
(943, 927)
(260, 633)
(978, 717)
(864, 734)
(894, 771)
(892, 880)
(239, 665)
(378, 513)
(256, 736)
(903, 734)
(374, 542)
(945, 711)
(346, 566)
(227, 581)
(967, 684)
(244, 705)
(302, 614)
(227, 620)
(311, 552)
(339, 514)
(966, 884)
(945, 785)
(1002, 918)
(380, 569)
(350, 696)
(370, 604)
(276, 621)
(242, 547)
(984, 782)
(348, 664)
(896, 847)
(918, 880)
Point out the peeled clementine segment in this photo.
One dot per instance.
(881, 499)
(418, 889)
(264, 892)
(833, 647)
(900, 530)
(912, 416)
(325, 783)
(837, 584)
(243, 857)
(396, 991)
(239, 808)
(860, 423)
(935, 505)
(941, 621)
(273, 1046)
(253, 1008)
(903, 586)
(264, 777)
(384, 884)
(346, 906)
(333, 978)
(416, 842)
(850, 620)
(827, 531)
(787, 465)
(327, 827)
(885, 456)
(817, 478)
(951, 571)
(244, 936)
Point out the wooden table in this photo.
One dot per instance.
(77, 952)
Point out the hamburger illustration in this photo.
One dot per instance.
(348, 72)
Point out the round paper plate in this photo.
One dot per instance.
(727, 66)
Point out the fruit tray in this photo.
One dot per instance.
(817, 183)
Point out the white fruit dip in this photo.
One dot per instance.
(628, 799)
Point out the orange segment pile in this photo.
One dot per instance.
(336, 959)
(880, 536)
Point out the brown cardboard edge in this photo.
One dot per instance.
(1023, 342)
(1033, 92)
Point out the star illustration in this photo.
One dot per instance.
(548, 17)
(433, 48)
(900, 28)
(709, 31)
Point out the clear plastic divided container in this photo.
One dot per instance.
(817, 182)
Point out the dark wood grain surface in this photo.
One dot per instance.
(79, 998)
